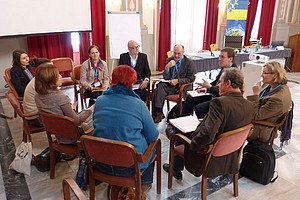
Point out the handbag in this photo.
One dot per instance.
(22, 160)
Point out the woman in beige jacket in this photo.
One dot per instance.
(271, 101)
(94, 75)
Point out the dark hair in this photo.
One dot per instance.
(35, 62)
(93, 46)
(125, 75)
(230, 52)
(46, 76)
(16, 57)
(235, 76)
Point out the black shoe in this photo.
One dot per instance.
(176, 174)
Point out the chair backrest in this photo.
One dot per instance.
(63, 64)
(76, 72)
(203, 51)
(59, 125)
(15, 103)
(109, 152)
(7, 78)
(214, 47)
(169, 54)
(69, 183)
(231, 141)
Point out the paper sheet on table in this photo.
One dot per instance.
(186, 124)
(194, 93)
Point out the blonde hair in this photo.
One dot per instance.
(276, 67)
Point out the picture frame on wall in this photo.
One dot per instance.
(132, 5)
(282, 9)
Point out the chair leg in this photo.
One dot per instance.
(52, 163)
(203, 187)
(168, 105)
(171, 163)
(158, 160)
(235, 184)
(92, 187)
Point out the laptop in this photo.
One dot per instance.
(277, 43)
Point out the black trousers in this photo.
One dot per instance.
(142, 93)
(92, 95)
(200, 104)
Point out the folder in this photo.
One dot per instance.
(185, 124)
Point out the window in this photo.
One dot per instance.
(187, 24)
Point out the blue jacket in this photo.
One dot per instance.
(120, 115)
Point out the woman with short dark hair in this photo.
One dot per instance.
(50, 99)
(21, 72)
(121, 115)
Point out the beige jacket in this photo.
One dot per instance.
(269, 108)
(87, 74)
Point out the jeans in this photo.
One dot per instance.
(146, 177)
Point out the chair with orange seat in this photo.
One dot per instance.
(169, 54)
(214, 47)
(64, 65)
(64, 127)
(223, 144)
(203, 51)
(69, 183)
(27, 128)
(118, 153)
(76, 78)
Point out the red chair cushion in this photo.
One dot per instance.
(66, 148)
(126, 181)
(179, 150)
(174, 97)
(67, 81)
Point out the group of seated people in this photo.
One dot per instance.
(119, 113)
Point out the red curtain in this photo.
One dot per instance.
(164, 41)
(50, 46)
(266, 20)
(83, 46)
(252, 7)
(211, 23)
(99, 29)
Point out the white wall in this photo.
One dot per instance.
(7, 46)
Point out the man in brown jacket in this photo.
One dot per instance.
(227, 112)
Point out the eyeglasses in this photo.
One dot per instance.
(136, 47)
(222, 57)
(264, 73)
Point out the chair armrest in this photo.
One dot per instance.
(70, 183)
(206, 149)
(89, 131)
(144, 157)
(185, 139)
(31, 115)
(265, 123)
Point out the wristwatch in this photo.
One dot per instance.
(146, 79)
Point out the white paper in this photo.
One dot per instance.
(194, 93)
(186, 124)
(136, 86)
(161, 80)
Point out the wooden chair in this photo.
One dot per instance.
(148, 95)
(203, 51)
(69, 183)
(118, 153)
(76, 78)
(27, 128)
(251, 46)
(214, 47)
(64, 65)
(61, 126)
(276, 125)
(175, 97)
(223, 144)
(169, 54)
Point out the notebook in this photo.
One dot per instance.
(186, 124)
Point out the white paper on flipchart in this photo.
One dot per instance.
(186, 124)
(194, 93)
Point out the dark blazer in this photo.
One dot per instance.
(226, 113)
(142, 66)
(214, 90)
(186, 71)
(19, 79)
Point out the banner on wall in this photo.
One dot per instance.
(237, 17)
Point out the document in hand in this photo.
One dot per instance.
(194, 93)
(161, 80)
(186, 124)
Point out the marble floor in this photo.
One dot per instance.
(39, 186)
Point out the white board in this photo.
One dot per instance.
(122, 27)
(30, 17)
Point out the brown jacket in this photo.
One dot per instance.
(226, 113)
(269, 108)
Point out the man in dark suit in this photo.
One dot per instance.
(139, 62)
(179, 70)
(227, 112)
(201, 104)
